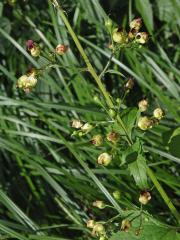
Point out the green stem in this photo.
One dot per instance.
(107, 65)
(89, 65)
(163, 194)
(110, 103)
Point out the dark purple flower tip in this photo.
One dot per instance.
(29, 44)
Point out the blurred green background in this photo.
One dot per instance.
(48, 179)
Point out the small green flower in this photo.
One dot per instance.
(104, 159)
(97, 140)
(141, 37)
(145, 123)
(144, 197)
(125, 225)
(99, 204)
(158, 113)
(27, 82)
(136, 24)
(87, 127)
(98, 230)
(119, 36)
(90, 223)
(117, 194)
(113, 137)
(76, 123)
(61, 49)
(143, 105)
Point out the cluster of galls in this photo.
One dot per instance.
(98, 229)
(145, 122)
(122, 38)
(28, 81)
(97, 140)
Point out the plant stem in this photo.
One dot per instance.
(163, 194)
(111, 105)
(107, 65)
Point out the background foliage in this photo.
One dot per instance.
(48, 180)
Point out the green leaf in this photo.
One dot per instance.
(174, 143)
(150, 230)
(145, 9)
(131, 153)
(138, 171)
(129, 117)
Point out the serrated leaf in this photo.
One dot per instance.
(131, 153)
(138, 171)
(174, 143)
(150, 230)
(129, 117)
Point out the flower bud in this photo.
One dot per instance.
(144, 197)
(141, 37)
(96, 99)
(110, 46)
(104, 159)
(98, 229)
(76, 123)
(112, 113)
(145, 123)
(130, 84)
(97, 140)
(143, 105)
(117, 194)
(109, 24)
(102, 238)
(125, 225)
(61, 49)
(12, 2)
(136, 24)
(33, 48)
(87, 127)
(90, 223)
(113, 137)
(99, 204)
(119, 35)
(158, 113)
